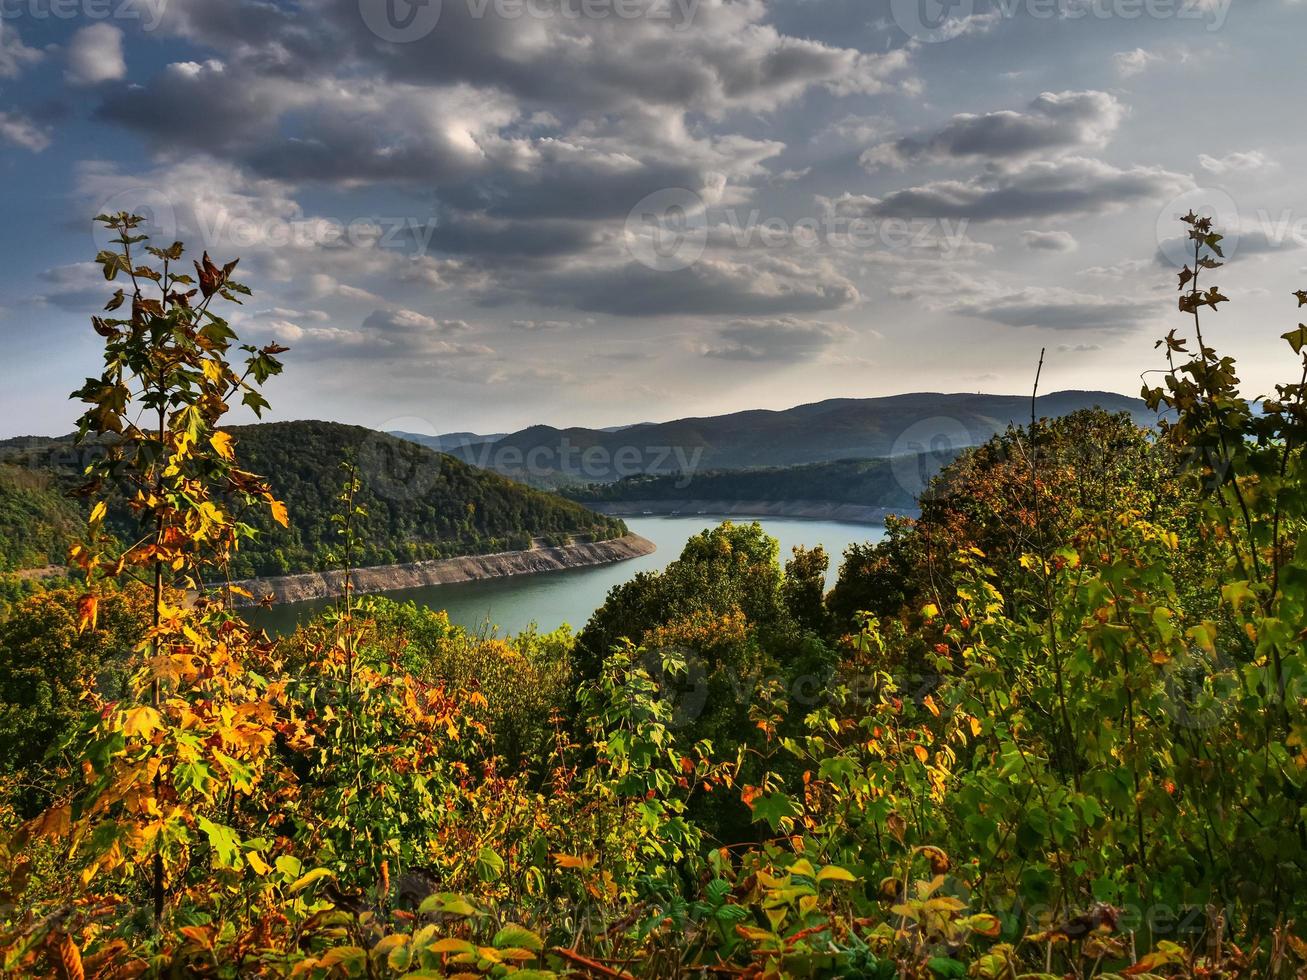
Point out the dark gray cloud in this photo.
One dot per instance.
(1054, 308)
(711, 287)
(1042, 189)
(775, 339)
(1052, 123)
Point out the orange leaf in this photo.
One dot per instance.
(70, 959)
(921, 753)
(584, 862)
(279, 513)
(88, 611)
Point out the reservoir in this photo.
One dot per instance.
(549, 599)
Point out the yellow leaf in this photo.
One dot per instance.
(921, 753)
(141, 720)
(834, 872)
(451, 945)
(98, 512)
(931, 706)
(573, 861)
(221, 443)
(260, 866)
(975, 727)
(279, 513)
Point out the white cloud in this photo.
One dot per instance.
(17, 129)
(1248, 162)
(95, 55)
(15, 56)
(1049, 241)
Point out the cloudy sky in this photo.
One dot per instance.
(480, 214)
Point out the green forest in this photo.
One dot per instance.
(421, 504)
(1054, 727)
(870, 482)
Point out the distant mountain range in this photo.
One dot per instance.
(821, 432)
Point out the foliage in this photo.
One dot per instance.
(421, 504)
(37, 521)
(1081, 755)
(864, 482)
(47, 664)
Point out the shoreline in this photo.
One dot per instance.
(817, 510)
(307, 586)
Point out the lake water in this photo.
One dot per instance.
(550, 599)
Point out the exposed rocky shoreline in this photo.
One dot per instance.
(445, 571)
(824, 510)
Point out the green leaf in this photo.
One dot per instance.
(519, 936)
(489, 865)
(305, 880)
(1297, 338)
(945, 967)
(774, 807)
(224, 841)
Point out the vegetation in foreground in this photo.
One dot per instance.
(1053, 728)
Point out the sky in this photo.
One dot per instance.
(484, 214)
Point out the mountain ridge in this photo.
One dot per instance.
(814, 432)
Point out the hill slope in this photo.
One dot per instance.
(882, 483)
(420, 504)
(37, 521)
(822, 432)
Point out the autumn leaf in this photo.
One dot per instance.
(279, 513)
(88, 612)
(581, 861)
(222, 445)
(141, 721)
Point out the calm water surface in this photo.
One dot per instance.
(550, 599)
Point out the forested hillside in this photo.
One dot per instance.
(419, 504)
(884, 483)
(37, 520)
